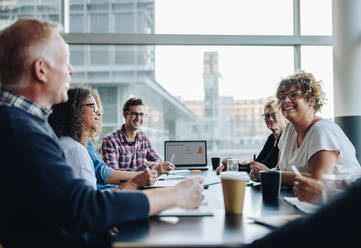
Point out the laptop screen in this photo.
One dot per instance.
(186, 153)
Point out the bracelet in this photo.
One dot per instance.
(244, 167)
(149, 164)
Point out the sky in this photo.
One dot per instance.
(248, 72)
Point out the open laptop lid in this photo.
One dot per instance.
(188, 154)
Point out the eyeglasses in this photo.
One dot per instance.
(136, 114)
(93, 105)
(266, 116)
(291, 95)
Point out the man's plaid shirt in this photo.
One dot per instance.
(10, 99)
(120, 154)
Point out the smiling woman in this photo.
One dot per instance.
(75, 122)
(72, 122)
(314, 145)
(91, 115)
(268, 157)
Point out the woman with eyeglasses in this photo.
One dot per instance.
(75, 122)
(268, 157)
(314, 145)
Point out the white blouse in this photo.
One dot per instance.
(323, 135)
(79, 160)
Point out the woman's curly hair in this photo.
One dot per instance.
(67, 117)
(307, 84)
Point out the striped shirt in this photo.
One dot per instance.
(10, 99)
(121, 154)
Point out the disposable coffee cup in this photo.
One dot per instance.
(233, 185)
(215, 162)
(270, 185)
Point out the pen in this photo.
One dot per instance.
(206, 186)
(145, 167)
(254, 157)
(171, 159)
(296, 171)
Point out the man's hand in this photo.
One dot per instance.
(189, 193)
(256, 167)
(162, 168)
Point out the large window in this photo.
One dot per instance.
(248, 17)
(204, 68)
(245, 72)
(318, 60)
(316, 17)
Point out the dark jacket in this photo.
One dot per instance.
(269, 153)
(42, 205)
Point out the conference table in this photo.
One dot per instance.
(219, 230)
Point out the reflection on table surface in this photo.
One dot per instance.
(218, 230)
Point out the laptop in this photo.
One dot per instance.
(189, 154)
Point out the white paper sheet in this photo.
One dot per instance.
(171, 177)
(179, 172)
(275, 221)
(303, 206)
(163, 183)
(180, 212)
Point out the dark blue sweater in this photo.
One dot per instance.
(41, 203)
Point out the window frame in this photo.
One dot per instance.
(296, 40)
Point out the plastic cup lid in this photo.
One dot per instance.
(235, 175)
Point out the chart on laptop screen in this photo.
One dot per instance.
(186, 153)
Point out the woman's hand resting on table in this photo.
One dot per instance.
(223, 167)
(256, 168)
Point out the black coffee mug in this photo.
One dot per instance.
(215, 162)
(270, 185)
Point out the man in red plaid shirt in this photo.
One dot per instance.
(128, 148)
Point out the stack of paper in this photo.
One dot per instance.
(180, 212)
(167, 181)
(164, 183)
(303, 206)
(179, 172)
(165, 177)
(275, 221)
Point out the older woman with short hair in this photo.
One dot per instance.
(276, 123)
(268, 157)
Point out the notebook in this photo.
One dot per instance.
(189, 154)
